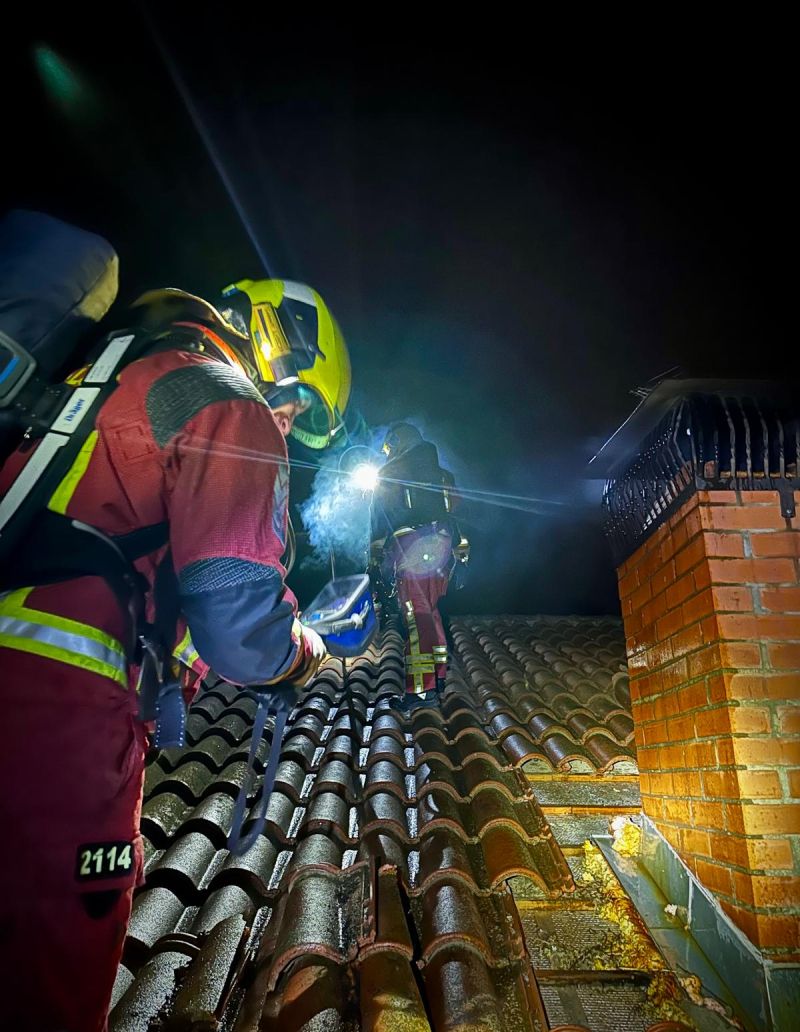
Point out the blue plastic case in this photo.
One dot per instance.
(343, 613)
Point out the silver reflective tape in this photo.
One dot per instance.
(64, 640)
(108, 362)
(76, 408)
(27, 479)
(299, 292)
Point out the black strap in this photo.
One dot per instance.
(280, 705)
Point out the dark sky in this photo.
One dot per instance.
(514, 225)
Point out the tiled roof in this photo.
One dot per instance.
(388, 838)
(553, 690)
(378, 897)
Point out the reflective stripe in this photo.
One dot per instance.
(29, 475)
(61, 639)
(413, 644)
(440, 653)
(185, 652)
(62, 495)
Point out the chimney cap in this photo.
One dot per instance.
(625, 441)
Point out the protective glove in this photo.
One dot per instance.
(314, 652)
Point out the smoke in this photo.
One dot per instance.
(336, 516)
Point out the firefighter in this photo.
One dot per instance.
(417, 545)
(187, 438)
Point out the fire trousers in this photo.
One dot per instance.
(420, 558)
(71, 770)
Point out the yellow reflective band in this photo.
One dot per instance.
(61, 639)
(62, 495)
(185, 652)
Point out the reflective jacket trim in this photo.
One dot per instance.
(185, 652)
(62, 495)
(61, 639)
(412, 668)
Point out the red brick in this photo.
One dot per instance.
(768, 545)
(708, 815)
(750, 720)
(718, 497)
(794, 783)
(769, 854)
(659, 654)
(697, 607)
(744, 517)
(672, 835)
(774, 571)
(770, 686)
(687, 640)
(677, 810)
(704, 661)
(724, 546)
(681, 728)
(715, 877)
(782, 600)
(692, 696)
(663, 577)
(641, 595)
(764, 498)
(721, 784)
(671, 757)
(731, 571)
(751, 571)
(759, 784)
(784, 657)
(716, 721)
(674, 675)
(767, 752)
(661, 784)
(702, 576)
(669, 624)
(690, 556)
(771, 818)
(655, 734)
(728, 849)
(770, 891)
(734, 820)
(695, 841)
(680, 591)
(732, 600)
(758, 627)
(709, 628)
(777, 931)
(789, 719)
(717, 688)
(688, 784)
(652, 610)
(739, 655)
(701, 755)
(628, 584)
(723, 747)
(666, 706)
(744, 919)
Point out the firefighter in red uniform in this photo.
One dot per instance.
(419, 545)
(186, 438)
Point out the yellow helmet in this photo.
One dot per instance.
(295, 340)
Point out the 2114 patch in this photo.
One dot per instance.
(103, 860)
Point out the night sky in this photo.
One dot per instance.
(514, 226)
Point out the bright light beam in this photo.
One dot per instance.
(365, 477)
(213, 152)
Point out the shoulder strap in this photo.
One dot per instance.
(30, 493)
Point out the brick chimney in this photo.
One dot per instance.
(703, 511)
